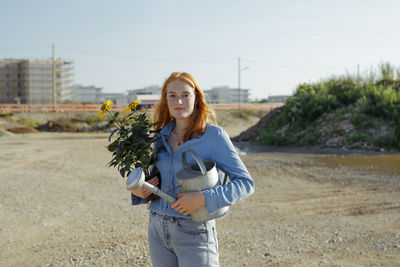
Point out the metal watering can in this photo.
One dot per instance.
(191, 178)
(199, 176)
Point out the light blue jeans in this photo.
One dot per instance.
(182, 242)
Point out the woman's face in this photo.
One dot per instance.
(180, 99)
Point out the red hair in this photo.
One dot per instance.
(201, 115)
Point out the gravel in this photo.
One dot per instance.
(61, 206)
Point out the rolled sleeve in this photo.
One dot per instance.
(241, 184)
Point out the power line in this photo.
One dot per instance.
(202, 60)
(270, 65)
(143, 58)
(23, 47)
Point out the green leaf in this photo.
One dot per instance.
(112, 133)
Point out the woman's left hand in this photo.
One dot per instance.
(189, 202)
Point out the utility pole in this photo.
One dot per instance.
(54, 77)
(239, 81)
(239, 73)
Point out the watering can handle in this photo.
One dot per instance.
(196, 158)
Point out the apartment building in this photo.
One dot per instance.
(29, 81)
(226, 95)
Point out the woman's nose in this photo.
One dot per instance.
(180, 101)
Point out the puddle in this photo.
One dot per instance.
(240, 152)
(381, 163)
(268, 163)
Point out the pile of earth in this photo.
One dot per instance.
(348, 130)
(57, 126)
(251, 133)
(22, 130)
(65, 125)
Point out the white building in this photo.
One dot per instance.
(278, 98)
(149, 90)
(226, 95)
(86, 94)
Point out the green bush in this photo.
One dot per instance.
(376, 95)
(357, 137)
(356, 120)
(387, 141)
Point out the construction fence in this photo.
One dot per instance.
(15, 108)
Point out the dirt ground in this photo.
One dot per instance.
(61, 206)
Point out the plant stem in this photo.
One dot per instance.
(115, 119)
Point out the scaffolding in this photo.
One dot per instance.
(25, 81)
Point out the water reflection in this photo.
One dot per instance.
(382, 163)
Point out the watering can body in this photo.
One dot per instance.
(199, 176)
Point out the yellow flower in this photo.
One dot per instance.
(132, 105)
(104, 108)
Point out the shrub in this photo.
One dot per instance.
(357, 137)
(379, 98)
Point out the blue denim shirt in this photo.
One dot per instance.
(214, 145)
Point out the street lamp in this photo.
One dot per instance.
(239, 72)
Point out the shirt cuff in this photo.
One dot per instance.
(137, 200)
(211, 201)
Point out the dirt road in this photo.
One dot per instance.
(61, 206)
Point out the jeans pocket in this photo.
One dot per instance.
(190, 227)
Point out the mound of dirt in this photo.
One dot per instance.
(58, 126)
(254, 131)
(22, 130)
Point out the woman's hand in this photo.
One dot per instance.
(143, 192)
(189, 202)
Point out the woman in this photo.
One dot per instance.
(174, 239)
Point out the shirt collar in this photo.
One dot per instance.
(166, 131)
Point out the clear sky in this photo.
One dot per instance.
(120, 45)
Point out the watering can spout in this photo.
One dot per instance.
(136, 179)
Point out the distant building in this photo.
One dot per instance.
(116, 98)
(149, 90)
(148, 96)
(86, 94)
(278, 98)
(28, 81)
(226, 95)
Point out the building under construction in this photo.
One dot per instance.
(26, 81)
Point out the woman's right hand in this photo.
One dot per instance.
(143, 192)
